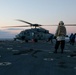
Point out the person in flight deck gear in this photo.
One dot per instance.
(72, 39)
(60, 37)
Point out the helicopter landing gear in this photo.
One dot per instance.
(35, 40)
(26, 40)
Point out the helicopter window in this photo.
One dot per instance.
(46, 31)
(27, 33)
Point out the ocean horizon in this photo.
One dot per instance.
(4, 39)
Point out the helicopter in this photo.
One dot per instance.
(37, 33)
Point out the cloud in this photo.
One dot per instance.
(1, 32)
(6, 34)
(14, 29)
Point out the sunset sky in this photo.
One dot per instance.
(45, 12)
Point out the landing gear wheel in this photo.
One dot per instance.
(26, 40)
(35, 40)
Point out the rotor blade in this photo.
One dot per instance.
(15, 26)
(49, 25)
(57, 25)
(24, 21)
(70, 24)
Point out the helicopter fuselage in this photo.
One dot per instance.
(34, 34)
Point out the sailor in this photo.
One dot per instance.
(60, 37)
